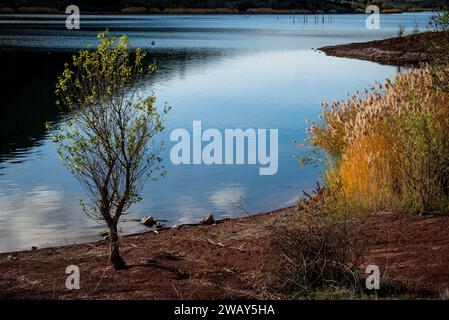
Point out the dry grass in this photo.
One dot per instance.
(320, 251)
(388, 146)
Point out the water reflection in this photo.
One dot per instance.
(20, 225)
(224, 71)
(228, 198)
(223, 89)
(27, 80)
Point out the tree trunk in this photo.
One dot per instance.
(115, 258)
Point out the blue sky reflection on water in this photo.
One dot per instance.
(268, 80)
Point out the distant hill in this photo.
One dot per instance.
(211, 6)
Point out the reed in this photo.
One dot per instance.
(387, 146)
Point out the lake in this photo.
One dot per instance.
(227, 71)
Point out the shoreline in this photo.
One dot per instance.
(232, 259)
(150, 230)
(172, 254)
(201, 11)
(410, 50)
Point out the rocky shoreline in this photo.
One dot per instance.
(409, 50)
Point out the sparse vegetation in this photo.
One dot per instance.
(323, 254)
(401, 30)
(320, 251)
(182, 273)
(444, 294)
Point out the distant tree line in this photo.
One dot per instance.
(241, 5)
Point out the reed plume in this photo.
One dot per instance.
(388, 146)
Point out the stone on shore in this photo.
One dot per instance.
(104, 233)
(208, 219)
(148, 221)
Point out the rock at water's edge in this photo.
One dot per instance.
(208, 219)
(148, 221)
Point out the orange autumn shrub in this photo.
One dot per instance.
(388, 146)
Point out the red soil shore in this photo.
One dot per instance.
(409, 50)
(236, 259)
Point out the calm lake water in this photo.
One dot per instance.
(229, 71)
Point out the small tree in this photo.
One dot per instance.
(107, 142)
